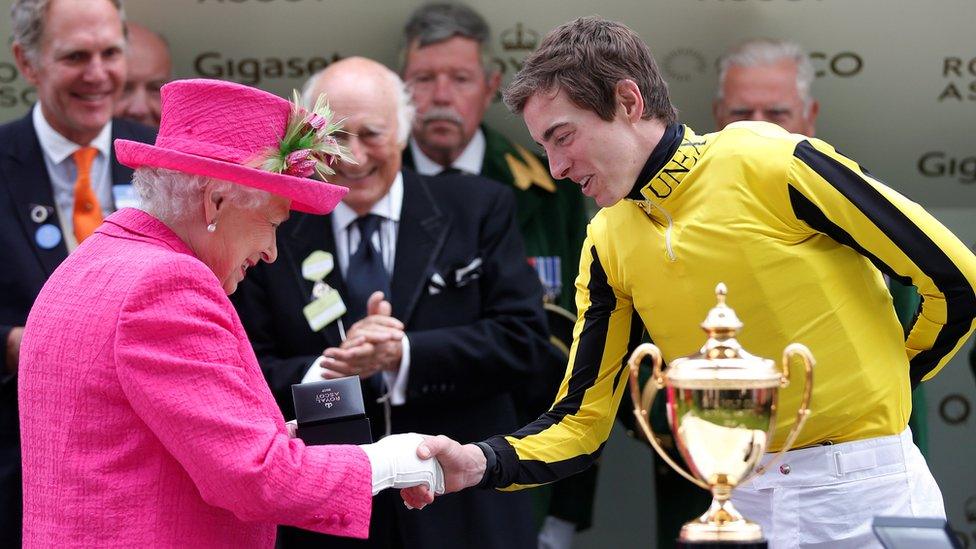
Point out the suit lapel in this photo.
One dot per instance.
(26, 175)
(311, 233)
(423, 230)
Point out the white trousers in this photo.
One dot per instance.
(826, 496)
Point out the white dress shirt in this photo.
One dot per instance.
(470, 160)
(63, 172)
(347, 238)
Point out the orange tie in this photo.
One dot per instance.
(87, 213)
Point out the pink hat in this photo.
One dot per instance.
(224, 130)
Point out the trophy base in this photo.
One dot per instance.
(685, 544)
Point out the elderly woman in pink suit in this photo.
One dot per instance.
(145, 418)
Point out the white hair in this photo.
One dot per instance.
(172, 196)
(766, 51)
(405, 109)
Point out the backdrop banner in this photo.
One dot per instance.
(896, 80)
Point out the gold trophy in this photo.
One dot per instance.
(721, 405)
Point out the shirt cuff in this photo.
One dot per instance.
(397, 381)
(315, 371)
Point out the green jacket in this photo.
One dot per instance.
(906, 301)
(552, 222)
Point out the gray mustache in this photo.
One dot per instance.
(441, 113)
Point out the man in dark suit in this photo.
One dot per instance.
(458, 326)
(73, 53)
(448, 65)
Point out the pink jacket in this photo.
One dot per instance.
(145, 419)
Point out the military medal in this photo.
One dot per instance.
(550, 272)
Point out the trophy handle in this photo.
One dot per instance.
(642, 406)
(804, 411)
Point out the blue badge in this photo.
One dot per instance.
(47, 236)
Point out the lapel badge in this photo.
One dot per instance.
(320, 289)
(47, 236)
(324, 309)
(39, 213)
(317, 266)
(326, 305)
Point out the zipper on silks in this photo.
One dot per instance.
(667, 230)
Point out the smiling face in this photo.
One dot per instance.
(598, 155)
(451, 92)
(244, 236)
(361, 92)
(149, 67)
(767, 93)
(80, 67)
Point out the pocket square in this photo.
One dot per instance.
(471, 271)
(455, 277)
(436, 284)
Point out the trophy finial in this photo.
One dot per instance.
(720, 292)
(721, 320)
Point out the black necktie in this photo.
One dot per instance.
(450, 170)
(366, 273)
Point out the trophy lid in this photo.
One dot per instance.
(722, 362)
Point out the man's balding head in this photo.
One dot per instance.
(376, 107)
(150, 66)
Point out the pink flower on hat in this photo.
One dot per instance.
(307, 147)
(317, 122)
(300, 163)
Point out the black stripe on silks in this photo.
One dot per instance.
(912, 241)
(586, 368)
(533, 471)
(540, 472)
(589, 350)
(636, 335)
(808, 212)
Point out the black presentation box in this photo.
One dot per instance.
(331, 412)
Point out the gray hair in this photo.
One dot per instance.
(766, 51)
(405, 108)
(171, 195)
(27, 23)
(434, 23)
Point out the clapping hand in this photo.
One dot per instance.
(372, 344)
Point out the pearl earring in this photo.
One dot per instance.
(212, 227)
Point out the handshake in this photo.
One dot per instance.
(424, 467)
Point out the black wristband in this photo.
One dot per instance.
(491, 462)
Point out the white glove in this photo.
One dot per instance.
(395, 464)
